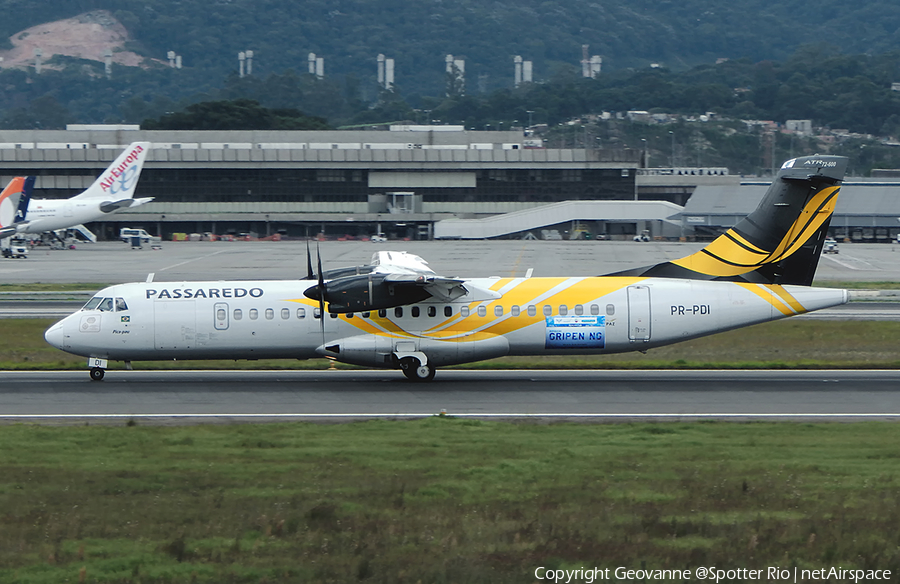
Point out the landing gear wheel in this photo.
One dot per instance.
(415, 372)
(97, 374)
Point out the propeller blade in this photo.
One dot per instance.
(322, 292)
(309, 271)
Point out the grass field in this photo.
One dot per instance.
(783, 344)
(440, 500)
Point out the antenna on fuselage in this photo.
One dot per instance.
(150, 277)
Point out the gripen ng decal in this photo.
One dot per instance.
(189, 293)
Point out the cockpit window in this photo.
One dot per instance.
(106, 305)
(120, 304)
(93, 303)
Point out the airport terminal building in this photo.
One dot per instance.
(340, 182)
(417, 182)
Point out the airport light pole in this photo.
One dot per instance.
(672, 134)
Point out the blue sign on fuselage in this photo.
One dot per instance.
(575, 332)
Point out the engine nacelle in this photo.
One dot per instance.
(367, 292)
(379, 350)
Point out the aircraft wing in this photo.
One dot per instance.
(392, 279)
(444, 289)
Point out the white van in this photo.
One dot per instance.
(126, 233)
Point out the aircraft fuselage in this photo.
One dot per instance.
(532, 316)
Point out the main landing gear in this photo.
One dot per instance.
(414, 371)
(97, 373)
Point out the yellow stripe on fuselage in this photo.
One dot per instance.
(521, 292)
(777, 296)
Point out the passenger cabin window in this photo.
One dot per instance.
(254, 314)
(285, 313)
(514, 310)
(238, 314)
(595, 310)
(270, 314)
(563, 310)
(317, 313)
(382, 313)
(579, 310)
(532, 310)
(301, 313)
(610, 309)
(415, 311)
(482, 310)
(448, 311)
(220, 314)
(432, 311)
(120, 304)
(464, 311)
(366, 314)
(398, 312)
(332, 315)
(548, 310)
(498, 311)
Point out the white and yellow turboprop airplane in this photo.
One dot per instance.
(113, 190)
(397, 313)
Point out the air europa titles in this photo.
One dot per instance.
(114, 173)
(188, 293)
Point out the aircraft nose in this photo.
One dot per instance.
(54, 335)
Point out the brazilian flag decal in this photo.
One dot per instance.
(126, 319)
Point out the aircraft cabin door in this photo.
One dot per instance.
(638, 313)
(220, 316)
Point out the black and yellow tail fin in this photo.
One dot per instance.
(781, 241)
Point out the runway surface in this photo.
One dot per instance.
(191, 396)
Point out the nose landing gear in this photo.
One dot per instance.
(98, 368)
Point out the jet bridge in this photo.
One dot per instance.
(664, 216)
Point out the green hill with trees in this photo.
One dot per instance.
(771, 66)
